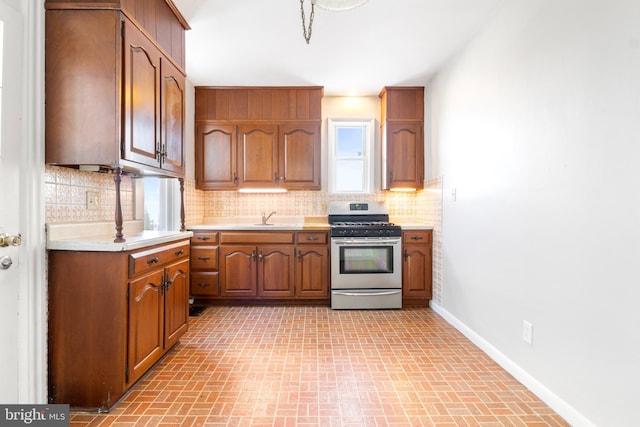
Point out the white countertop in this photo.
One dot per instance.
(251, 223)
(288, 223)
(99, 236)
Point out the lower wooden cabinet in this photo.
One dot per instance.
(263, 265)
(312, 264)
(112, 316)
(416, 267)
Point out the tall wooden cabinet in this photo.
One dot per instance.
(258, 137)
(113, 315)
(402, 123)
(115, 85)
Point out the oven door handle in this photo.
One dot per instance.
(369, 294)
(365, 242)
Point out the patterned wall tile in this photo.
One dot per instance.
(65, 195)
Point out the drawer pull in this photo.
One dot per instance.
(312, 238)
(204, 284)
(153, 260)
(204, 258)
(180, 252)
(416, 237)
(205, 238)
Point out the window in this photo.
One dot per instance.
(161, 204)
(351, 156)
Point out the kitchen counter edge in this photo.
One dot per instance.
(106, 244)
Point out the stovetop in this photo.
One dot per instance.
(356, 219)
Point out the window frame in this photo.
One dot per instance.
(368, 125)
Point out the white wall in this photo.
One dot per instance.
(537, 125)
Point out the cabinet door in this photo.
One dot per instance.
(238, 271)
(216, 157)
(300, 156)
(416, 272)
(312, 272)
(258, 156)
(403, 156)
(176, 302)
(141, 98)
(276, 271)
(172, 118)
(146, 314)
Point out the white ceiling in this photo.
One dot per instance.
(381, 43)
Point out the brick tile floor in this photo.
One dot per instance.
(313, 366)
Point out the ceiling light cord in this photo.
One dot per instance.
(307, 32)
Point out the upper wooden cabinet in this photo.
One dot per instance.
(114, 96)
(258, 103)
(402, 133)
(258, 138)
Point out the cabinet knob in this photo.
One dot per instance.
(153, 260)
(204, 284)
(312, 238)
(416, 237)
(204, 258)
(203, 238)
(179, 252)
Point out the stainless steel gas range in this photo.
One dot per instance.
(366, 268)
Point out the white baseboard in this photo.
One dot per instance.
(562, 408)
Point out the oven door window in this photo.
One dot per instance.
(366, 259)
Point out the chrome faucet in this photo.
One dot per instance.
(266, 218)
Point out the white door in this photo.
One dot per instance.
(11, 142)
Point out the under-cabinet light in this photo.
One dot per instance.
(262, 190)
(403, 190)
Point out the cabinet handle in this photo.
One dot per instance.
(260, 256)
(312, 238)
(253, 255)
(416, 237)
(204, 238)
(166, 284)
(204, 258)
(299, 256)
(153, 260)
(204, 284)
(235, 178)
(180, 252)
(275, 177)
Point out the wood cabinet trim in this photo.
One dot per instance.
(257, 237)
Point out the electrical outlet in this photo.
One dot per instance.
(527, 332)
(92, 200)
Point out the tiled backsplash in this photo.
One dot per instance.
(66, 188)
(296, 203)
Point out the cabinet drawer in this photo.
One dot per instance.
(204, 284)
(257, 237)
(417, 236)
(311, 237)
(204, 238)
(204, 258)
(143, 261)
